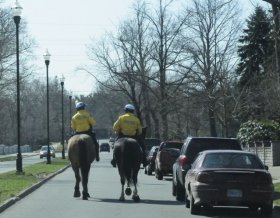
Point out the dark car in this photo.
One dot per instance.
(150, 142)
(229, 178)
(150, 168)
(167, 154)
(44, 151)
(189, 150)
(104, 147)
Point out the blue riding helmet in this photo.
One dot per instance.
(80, 105)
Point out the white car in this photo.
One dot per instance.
(44, 151)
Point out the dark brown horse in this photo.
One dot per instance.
(128, 155)
(81, 153)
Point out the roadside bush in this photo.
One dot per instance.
(254, 130)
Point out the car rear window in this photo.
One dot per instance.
(197, 145)
(231, 160)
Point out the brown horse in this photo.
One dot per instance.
(128, 156)
(81, 153)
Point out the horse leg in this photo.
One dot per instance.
(85, 175)
(122, 198)
(77, 192)
(135, 195)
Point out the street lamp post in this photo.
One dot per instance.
(62, 79)
(16, 14)
(70, 107)
(47, 62)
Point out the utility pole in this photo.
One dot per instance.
(275, 4)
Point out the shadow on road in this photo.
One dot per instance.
(142, 201)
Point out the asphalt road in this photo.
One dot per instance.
(54, 198)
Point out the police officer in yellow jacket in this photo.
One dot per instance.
(82, 123)
(128, 125)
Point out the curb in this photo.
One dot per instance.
(29, 190)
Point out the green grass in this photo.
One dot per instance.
(276, 200)
(12, 183)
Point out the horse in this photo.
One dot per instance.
(128, 156)
(81, 153)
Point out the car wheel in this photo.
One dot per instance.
(159, 175)
(145, 170)
(173, 188)
(267, 209)
(41, 157)
(149, 170)
(180, 192)
(195, 209)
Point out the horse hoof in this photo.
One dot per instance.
(121, 198)
(88, 195)
(136, 198)
(128, 191)
(77, 194)
(85, 198)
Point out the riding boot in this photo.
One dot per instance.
(96, 145)
(97, 151)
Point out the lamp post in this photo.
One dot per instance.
(47, 62)
(70, 117)
(62, 79)
(16, 8)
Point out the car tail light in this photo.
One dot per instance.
(204, 177)
(182, 161)
(264, 179)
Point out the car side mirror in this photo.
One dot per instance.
(266, 167)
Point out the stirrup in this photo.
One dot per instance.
(113, 162)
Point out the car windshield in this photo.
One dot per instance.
(231, 160)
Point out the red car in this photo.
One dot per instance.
(151, 157)
(229, 178)
(167, 154)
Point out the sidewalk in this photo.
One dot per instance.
(275, 173)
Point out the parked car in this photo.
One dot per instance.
(191, 147)
(150, 142)
(104, 147)
(229, 178)
(150, 168)
(44, 151)
(167, 154)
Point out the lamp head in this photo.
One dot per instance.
(16, 9)
(47, 57)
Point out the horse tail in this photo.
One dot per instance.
(128, 158)
(82, 156)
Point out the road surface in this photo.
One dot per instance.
(54, 198)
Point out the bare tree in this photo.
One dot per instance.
(214, 29)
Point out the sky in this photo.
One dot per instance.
(65, 27)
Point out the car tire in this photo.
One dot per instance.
(195, 209)
(266, 210)
(159, 175)
(145, 170)
(149, 170)
(180, 192)
(173, 188)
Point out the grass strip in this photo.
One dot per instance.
(276, 199)
(12, 183)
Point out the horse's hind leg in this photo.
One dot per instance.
(77, 192)
(85, 175)
(122, 198)
(135, 195)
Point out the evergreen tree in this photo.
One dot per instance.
(256, 49)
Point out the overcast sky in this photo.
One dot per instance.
(65, 26)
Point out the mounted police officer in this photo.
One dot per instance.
(128, 125)
(82, 123)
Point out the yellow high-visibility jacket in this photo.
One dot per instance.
(82, 121)
(128, 124)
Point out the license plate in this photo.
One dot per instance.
(234, 193)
